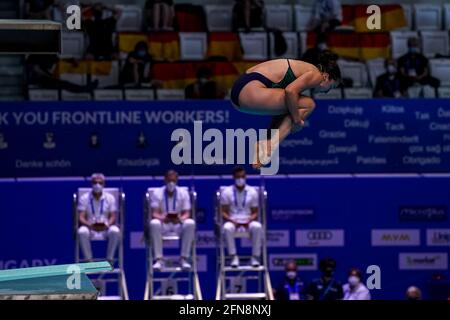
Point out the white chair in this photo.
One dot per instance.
(355, 71)
(302, 17)
(279, 16)
(444, 92)
(108, 95)
(130, 18)
(193, 45)
(226, 273)
(408, 10)
(428, 16)
(254, 45)
(170, 94)
(440, 68)
(73, 45)
(434, 42)
(139, 94)
(447, 16)
(43, 95)
(171, 271)
(117, 274)
(399, 42)
(332, 94)
(111, 79)
(219, 17)
(375, 68)
(292, 45)
(428, 92)
(71, 96)
(303, 42)
(357, 93)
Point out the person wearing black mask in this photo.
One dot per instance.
(136, 69)
(204, 87)
(292, 288)
(413, 67)
(389, 84)
(326, 287)
(100, 33)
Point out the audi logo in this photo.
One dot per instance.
(319, 235)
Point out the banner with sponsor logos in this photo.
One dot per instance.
(138, 138)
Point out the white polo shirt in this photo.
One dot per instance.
(240, 202)
(97, 208)
(178, 202)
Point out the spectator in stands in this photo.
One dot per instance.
(312, 54)
(100, 32)
(40, 72)
(39, 9)
(413, 67)
(292, 288)
(159, 14)
(413, 293)
(204, 87)
(390, 84)
(137, 67)
(248, 14)
(355, 289)
(326, 287)
(326, 15)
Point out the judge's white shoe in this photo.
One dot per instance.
(235, 262)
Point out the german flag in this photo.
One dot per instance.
(165, 46)
(354, 45)
(392, 17)
(100, 68)
(128, 40)
(180, 74)
(224, 44)
(162, 45)
(374, 45)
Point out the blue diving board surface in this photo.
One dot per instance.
(50, 282)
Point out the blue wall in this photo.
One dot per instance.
(36, 223)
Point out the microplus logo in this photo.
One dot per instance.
(228, 148)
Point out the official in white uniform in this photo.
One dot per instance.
(97, 212)
(239, 206)
(355, 289)
(171, 214)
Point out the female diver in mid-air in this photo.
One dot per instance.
(268, 89)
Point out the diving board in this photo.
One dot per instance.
(30, 36)
(50, 282)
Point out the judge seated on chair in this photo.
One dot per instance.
(239, 208)
(97, 212)
(171, 215)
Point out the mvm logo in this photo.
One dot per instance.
(395, 237)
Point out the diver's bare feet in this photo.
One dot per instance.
(262, 154)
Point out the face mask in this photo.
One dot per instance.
(291, 275)
(97, 188)
(240, 182)
(391, 69)
(413, 50)
(141, 53)
(322, 46)
(171, 186)
(353, 280)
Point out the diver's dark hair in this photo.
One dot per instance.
(328, 63)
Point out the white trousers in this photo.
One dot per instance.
(256, 234)
(185, 229)
(112, 234)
